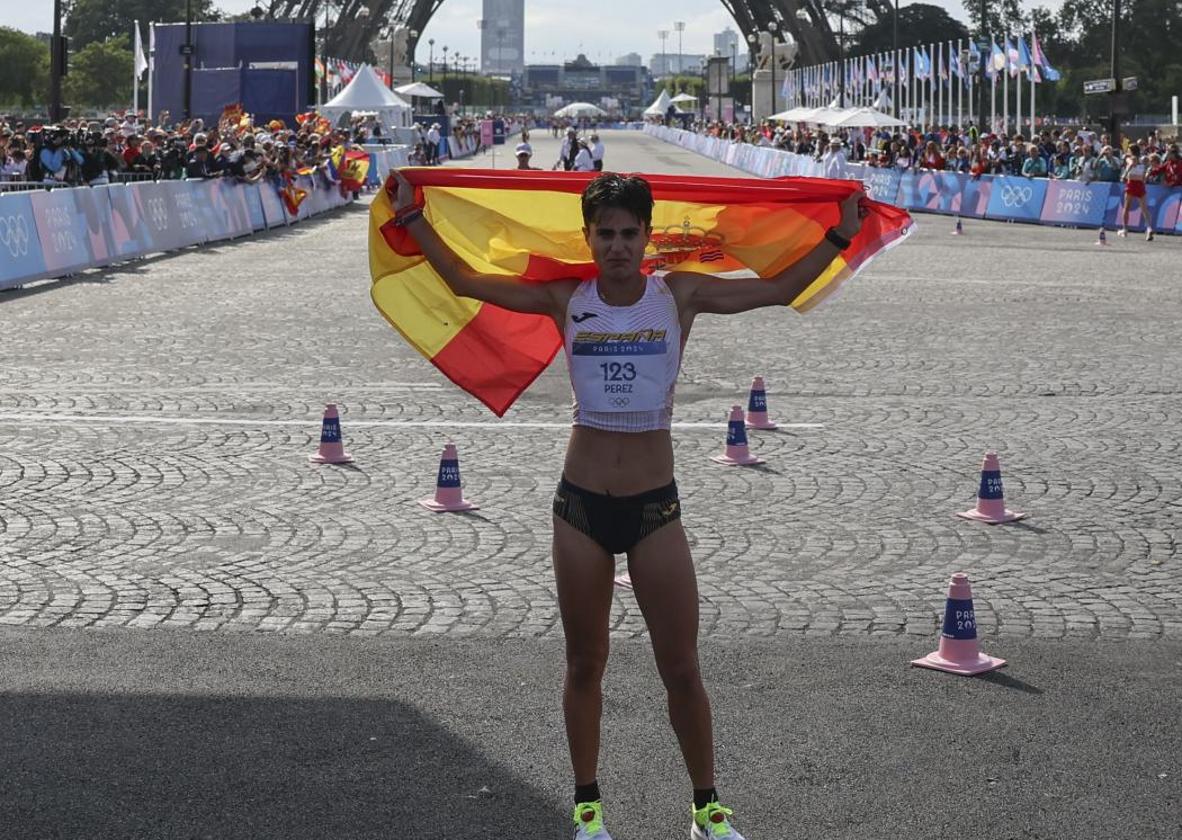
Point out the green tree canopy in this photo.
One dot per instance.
(100, 74)
(90, 21)
(919, 23)
(26, 68)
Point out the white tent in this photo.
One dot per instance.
(812, 116)
(419, 89)
(860, 117)
(684, 97)
(660, 106)
(366, 92)
(580, 109)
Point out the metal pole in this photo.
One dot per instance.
(55, 71)
(984, 45)
(841, 56)
(1113, 117)
(895, 57)
(189, 59)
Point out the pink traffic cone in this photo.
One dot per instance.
(757, 406)
(1102, 240)
(331, 450)
(991, 503)
(958, 652)
(959, 229)
(736, 454)
(448, 494)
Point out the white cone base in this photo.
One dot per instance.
(980, 665)
(733, 462)
(438, 507)
(321, 459)
(624, 581)
(974, 514)
(766, 426)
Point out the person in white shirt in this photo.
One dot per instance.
(570, 148)
(583, 160)
(833, 161)
(597, 152)
(433, 144)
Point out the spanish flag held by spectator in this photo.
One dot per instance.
(529, 225)
(292, 197)
(352, 168)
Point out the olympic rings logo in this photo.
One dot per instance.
(14, 234)
(621, 402)
(1014, 196)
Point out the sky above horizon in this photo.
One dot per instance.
(549, 35)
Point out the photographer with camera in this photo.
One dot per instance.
(57, 155)
(99, 159)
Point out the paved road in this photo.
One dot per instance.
(157, 419)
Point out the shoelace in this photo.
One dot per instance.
(592, 826)
(716, 819)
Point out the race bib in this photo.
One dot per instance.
(620, 372)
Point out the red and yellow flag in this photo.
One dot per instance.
(293, 197)
(529, 224)
(352, 167)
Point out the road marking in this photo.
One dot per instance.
(111, 420)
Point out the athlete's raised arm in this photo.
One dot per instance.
(503, 290)
(705, 293)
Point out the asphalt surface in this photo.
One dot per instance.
(201, 635)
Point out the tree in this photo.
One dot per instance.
(100, 74)
(26, 68)
(90, 21)
(919, 23)
(1006, 16)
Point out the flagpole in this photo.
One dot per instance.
(151, 67)
(1005, 88)
(135, 79)
(1018, 94)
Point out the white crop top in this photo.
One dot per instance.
(623, 360)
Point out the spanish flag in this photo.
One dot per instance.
(529, 224)
(352, 167)
(293, 197)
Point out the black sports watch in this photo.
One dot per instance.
(839, 241)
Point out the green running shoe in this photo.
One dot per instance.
(588, 820)
(713, 823)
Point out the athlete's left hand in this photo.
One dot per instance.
(853, 210)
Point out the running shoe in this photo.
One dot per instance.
(713, 823)
(1149, 235)
(1122, 232)
(588, 820)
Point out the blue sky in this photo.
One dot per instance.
(555, 30)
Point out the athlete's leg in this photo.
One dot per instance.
(584, 574)
(1124, 218)
(666, 589)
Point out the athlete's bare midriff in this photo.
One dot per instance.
(619, 463)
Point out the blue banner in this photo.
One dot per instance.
(882, 184)
(1017, 198)
(65, 242)
(1163, 208)
(20, 247)
(129, 228)
(1076, 203)
(254, 206)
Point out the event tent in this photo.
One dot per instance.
(418, 89)
(660, 106)
(580, 109)
(862, 117)
(684, 97)
(367, 93)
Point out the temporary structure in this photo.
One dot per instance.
(580, 109)
(660, 105)
(861, 117)
(684, 97)
(367, 93)
(418, 89)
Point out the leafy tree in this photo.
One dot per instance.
(90, 21)
(100, 74)
(919, 23)
(26, 68)
(999, 17)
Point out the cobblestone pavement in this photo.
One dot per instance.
(157, 420)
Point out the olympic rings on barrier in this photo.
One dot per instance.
(14, 235)
(1015, 195)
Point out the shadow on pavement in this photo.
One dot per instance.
(164, 766)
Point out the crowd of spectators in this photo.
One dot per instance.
(121, 148)
(1075, 154)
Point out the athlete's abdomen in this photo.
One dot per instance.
(619, 463)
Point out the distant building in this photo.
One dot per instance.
(630, 60)
(620, 89)
(671, 64)
(502, 37)
(728, 44)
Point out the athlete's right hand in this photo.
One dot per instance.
(405, 195)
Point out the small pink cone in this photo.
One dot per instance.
(1102, 239)
(959, 229)
(331, 450)
(991, 503)
(958, 652)
(449, 496)
(757, 406)
(737, 454)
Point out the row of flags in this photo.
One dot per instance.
(338, 73)
(944, 62)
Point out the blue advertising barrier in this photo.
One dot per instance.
(1163, 208)
(1017, 199)
(1076, 203)
(53, 233)
(881, 184)
(20, 246)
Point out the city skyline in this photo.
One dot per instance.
(549, 34)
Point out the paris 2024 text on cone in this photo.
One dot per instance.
(449, 496)
(737, 454)
(332, 450)
(991, 502)
(958, 652)
(757, 407)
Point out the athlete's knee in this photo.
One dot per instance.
(585, 668)
(681, 675)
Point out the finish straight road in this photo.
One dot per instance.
(154, 482)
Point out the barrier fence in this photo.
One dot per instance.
(999, 197)
(54, 233)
